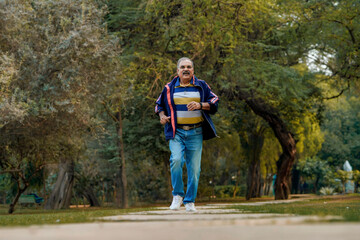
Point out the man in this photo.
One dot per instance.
(184, 107)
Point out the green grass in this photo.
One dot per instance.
(347, 207)
(31, 216)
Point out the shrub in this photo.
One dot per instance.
(327, 191)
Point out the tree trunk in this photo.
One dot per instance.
(295, 180)
(44, 187)
(253, 181)
(60, 196)
(285, 138)
(91, 197)
(122, 170)
(268, 183)
(256, 142)
(16, 199)
(316, 184)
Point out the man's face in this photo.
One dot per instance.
(185, 70)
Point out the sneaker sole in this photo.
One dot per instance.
(174, 209)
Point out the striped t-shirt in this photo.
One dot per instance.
(183, 96)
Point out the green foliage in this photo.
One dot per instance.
(356, 179)
(5, 188)
(316, 170)
(308, 134)
(60, 60)
(342, 131)
(356, 176)
(227, 191)
(344, 176)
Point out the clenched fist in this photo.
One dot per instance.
(193, 106)
(164, 119)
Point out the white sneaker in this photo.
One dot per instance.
(176, 202)
(190, 207)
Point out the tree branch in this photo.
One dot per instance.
(10, 171)
(350, 31)
(340, 93)
(108, 111)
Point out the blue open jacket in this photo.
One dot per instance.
(165, 103)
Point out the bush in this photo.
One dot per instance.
(227, 191)
(327, 191)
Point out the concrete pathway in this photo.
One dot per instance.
(210, 222)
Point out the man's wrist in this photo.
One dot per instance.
(201, 106)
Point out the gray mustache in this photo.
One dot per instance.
(186, 72)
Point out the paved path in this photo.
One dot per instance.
(211, 222)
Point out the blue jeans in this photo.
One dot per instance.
(186, 147)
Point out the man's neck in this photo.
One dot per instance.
(185, 82)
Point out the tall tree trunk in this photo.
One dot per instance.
(285, 138)
(122, 170)
(60, 196)
(17, 196)
(268, 179)
(91, 197)
(295, 180)
(256, 141)
(253, 180)
(284, 165)
(44, 186)
(316, 184)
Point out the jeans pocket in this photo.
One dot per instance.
(198, 130)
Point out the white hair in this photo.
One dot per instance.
(183, 59)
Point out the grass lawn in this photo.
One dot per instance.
(31, 216)
(347, 206)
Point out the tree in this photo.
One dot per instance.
(344, 177)
(356, 178)
(341, 130)
(252, 131)
(314, 169)
(61, 59)
(61, 194)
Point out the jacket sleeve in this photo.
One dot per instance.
(212, 99)
(159, 104)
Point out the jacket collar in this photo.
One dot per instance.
(176, 81)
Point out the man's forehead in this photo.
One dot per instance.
(185, 63)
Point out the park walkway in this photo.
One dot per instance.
(212, 221)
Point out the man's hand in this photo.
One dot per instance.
(193, 106)
(163, 118)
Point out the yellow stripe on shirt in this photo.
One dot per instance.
(185, 101)
(193, 120)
